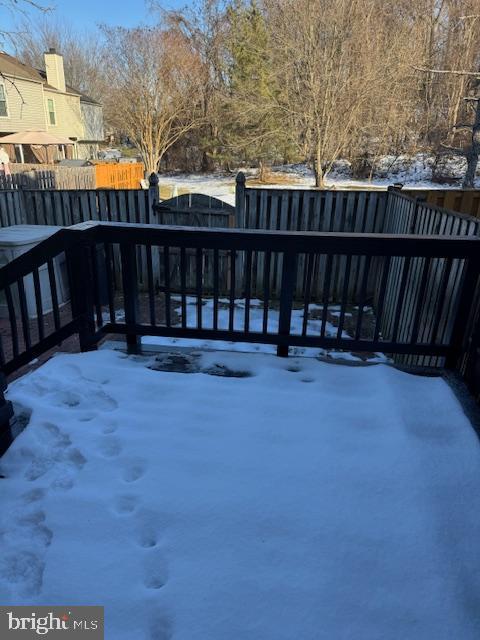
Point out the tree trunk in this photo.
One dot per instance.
(151, 166)
(207, 162)
(317, 168)
(262, 171)
(473, 152)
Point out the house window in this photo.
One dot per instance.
(3, 102)
(52, 118)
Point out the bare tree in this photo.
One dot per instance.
(341, 74)
(205, 25)
(154, 88)
(228, 81)
(82, 51)
(18, 8)
(467, 93)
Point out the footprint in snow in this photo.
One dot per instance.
(24, 544)
(110, 426)
(160, 627)
(87, 417)
(126, 504)
(33, 496)
(146, 537)
(62, 462)
(56, 436)
(133, 470)
(22, 572)
(63, 483)
(53, 455)
(109, 446)
(103, 401)
(96, 398)
(33, 524)
(66, 399)
(147, 527)
(155, 571)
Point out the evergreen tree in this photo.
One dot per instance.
(252, 130)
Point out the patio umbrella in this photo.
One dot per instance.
(40, 138)
(34, 137)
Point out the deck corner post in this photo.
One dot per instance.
(6, 413)
(463, 330)
(130, 295)
(289, 278)
(80, 271)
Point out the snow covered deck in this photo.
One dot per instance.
(247, 496)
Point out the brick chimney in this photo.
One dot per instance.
(54, 69)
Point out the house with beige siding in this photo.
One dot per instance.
(40, 100)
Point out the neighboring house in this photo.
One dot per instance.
(36, 100)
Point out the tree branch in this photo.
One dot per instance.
(455, 72)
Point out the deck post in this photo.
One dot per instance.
(289, 278)
(470, 364)
(460, 342)
(130, 294)
(240, 223)
(79, 261)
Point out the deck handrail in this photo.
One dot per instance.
(422, 287)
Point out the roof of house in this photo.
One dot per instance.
(85, 98)
(11, 66)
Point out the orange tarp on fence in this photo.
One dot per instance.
(118, 176)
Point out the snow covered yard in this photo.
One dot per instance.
(252, 497)
(412, 171)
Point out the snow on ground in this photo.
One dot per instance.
(298, 500)
(213, 184)
(256, 325)
(412, 171)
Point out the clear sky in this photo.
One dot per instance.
(88, 13)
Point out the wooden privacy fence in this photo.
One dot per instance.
(102, 175)
(12, 208)
(196, 210)
(309, 210)
(355, 210)
(119, 175)
(48, 176)
(416, 279)
(388, 212)
(101, 305)
(465, 201)
(276, 209)
(68, 207)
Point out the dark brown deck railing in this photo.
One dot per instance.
(400, 294)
